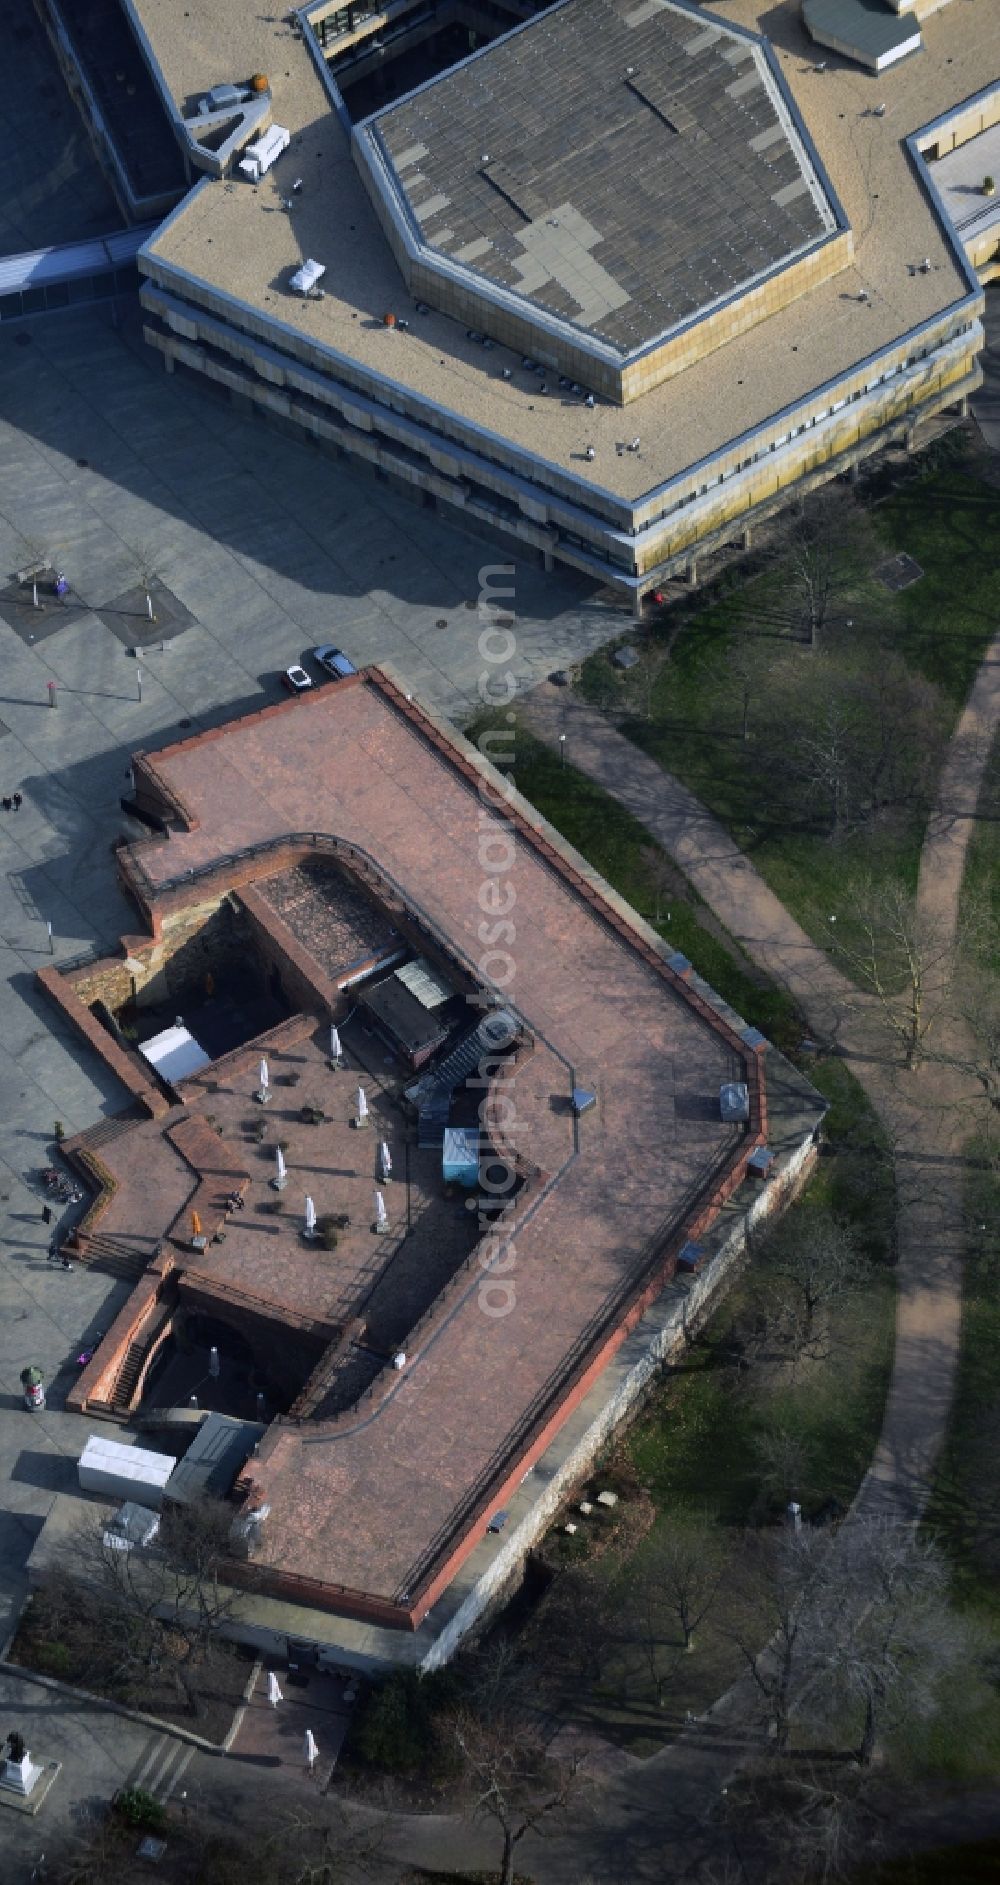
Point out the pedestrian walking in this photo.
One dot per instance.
(46, 1213)
(311, 1750)
(274, 1694)
(17, 801)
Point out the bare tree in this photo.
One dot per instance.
(144, 1612)
(889, 1635)
(746, 665)
(818, 1260)
(290, 1848)
(646, 1627)
(662, 875)
(773, 1620)
(783, 1463)
(805, 1820)
(688, 1569)
(576, 1627)
(823, 558)
(146, 565)
(824, 750)
(900, 957)
(507, 1775)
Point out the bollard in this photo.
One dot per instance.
(52, 693)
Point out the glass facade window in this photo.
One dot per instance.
(65, 294)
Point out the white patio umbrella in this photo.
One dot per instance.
(281, 1172)
(264, 1081)
(213, 1363)
(274, 1694)
(386, 1161)
(381, 1214)
(362, 1106)
(310, 1218)
(310, 1749)
(335, 1047)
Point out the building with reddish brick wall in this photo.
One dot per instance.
(469, 1365)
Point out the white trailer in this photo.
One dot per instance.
(131, 1473)
(258, 158)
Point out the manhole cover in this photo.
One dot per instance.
(441, 622)
(898, 572)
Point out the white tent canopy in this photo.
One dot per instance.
(175, 1053)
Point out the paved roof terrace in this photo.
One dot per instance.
(238, 239)
(388, 1280)
(377, 1506)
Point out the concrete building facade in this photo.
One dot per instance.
(618, 312)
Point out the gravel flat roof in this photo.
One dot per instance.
(237, 238)
(620, 165)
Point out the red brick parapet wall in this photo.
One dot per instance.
(95, 1384)
(235, 1065)
(219, 1172)
(128, 1067)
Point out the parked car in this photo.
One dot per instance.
(334, 661)
(296, 679)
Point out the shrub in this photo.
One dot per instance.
(312, 1116)
(328, 1230)
(52, 1659)
(139, 1809)
(397, 1723)
(59, 1132)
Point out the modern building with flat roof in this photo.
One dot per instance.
(435, 1377)
(615, 278)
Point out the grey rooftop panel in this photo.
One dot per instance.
(604, 165)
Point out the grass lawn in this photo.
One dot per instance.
(974, 1864)
(685, 707)
(693, 1453)
(981, 884)
(617, 845)
(965, 1506)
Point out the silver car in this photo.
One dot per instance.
(334, 661)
